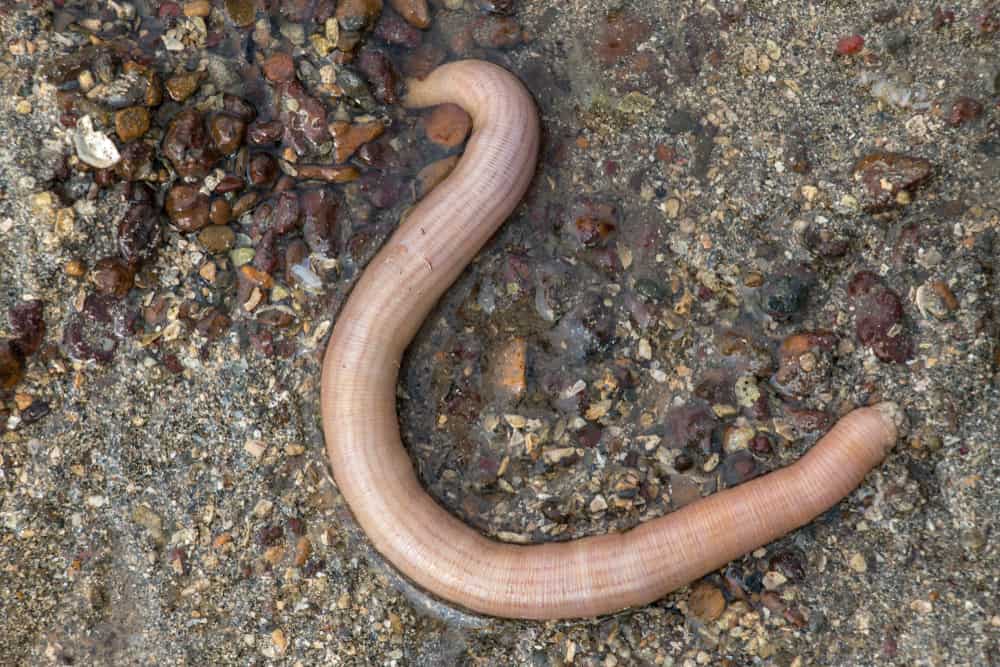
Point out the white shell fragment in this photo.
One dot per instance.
(93, 147)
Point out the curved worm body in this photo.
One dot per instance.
(583, 577)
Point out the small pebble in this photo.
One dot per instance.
(131, 123)
(279, 67)
(182, 86)
(414, 12)
(706, 601)
(217, 238)
(848, 46)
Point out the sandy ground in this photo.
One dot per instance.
(173, 506)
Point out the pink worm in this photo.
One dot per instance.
(583, 577)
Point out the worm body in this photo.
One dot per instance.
(583, 577)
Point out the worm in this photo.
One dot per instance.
(584, 577)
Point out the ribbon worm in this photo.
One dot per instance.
(583, 577)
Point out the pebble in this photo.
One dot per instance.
(447, 125)
(786, 294)
(380, 73)
(227, 132)
(27, 324)
(138, 232)
(348, 137)
(414, 12)
(328, 173)
(241, 12)
(263, 169)
(430, 176)
(318, 209)
(358, 15)
(220, 212)
(706, 601)
(187, 207)
(964, 109)
(11, 364)
(217, 238)
(804, 363)
(888, 179)
(112, 277)
(93, 147)
(182, 86)
(187, 146)
(879, 318)
(197, 8)
(279, 68)
(509, 374)
(304, 118)
(848, 46)
(858, 563)
(131, 123)
(265, 132)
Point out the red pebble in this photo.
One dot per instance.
(847, 46)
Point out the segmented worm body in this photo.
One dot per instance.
(583, 577)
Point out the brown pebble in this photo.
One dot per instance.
(509, 370)
(112, 277)
(75, 268)
(964, 109)
(186, 144)
(229, 183)
(347, 137)
(182, 86)
(27, 323)
(187, 207)
(11, 364)
(220, 212)
(265, 132)
(217, 238)
(888, 179)
(263, 169)
(303, 548)
(430, 176)
(706, 601)
(330, 174)
(415, 12)
(447, 125)
(197, 8)
(241, 12)
(131, 123)
(947, 296)
(377, 68)
(279, 67)
(358, 15)
(244, 204)
(227, 132)
(257, 277)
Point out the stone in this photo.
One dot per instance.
(889, 179)
(217, 238)
(186, 144)
(414, 12)
(187, 207)
(182, 86)
(348, 137)
(131, 123)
